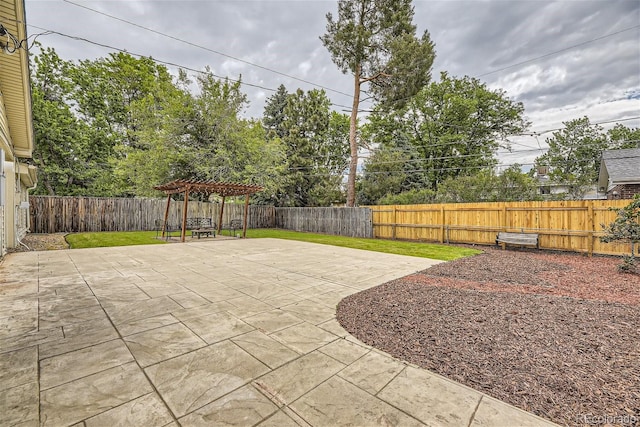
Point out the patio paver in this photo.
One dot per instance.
(232, 332)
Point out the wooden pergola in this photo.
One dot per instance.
(224, 189)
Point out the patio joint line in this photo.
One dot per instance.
(38, 377)
(394, 377)
(280, 403)
(297, 417)
(375, 396)
(389, 403)
(473, 415)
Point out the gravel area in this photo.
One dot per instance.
(554, 334)
(42, 242)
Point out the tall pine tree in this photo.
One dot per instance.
(376, 42)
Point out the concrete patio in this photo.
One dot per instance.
(228, 332)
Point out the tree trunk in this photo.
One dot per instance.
(353, 141)
(45, 179)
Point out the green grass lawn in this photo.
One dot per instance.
(424, 250)
(113, 238)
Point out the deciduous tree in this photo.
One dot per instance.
(574, 154)
(451, 128)
(621, 136)
(512, 185)
(66, 163)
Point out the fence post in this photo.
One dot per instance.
(504, 217)
(442, 224)
(590, 227)
(393, 224)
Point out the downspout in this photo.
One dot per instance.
(16, 166)
(17, 238)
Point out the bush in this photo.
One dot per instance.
(626, 229)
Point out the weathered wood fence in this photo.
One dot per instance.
(351, 222)
(563, 225)
(81, 214)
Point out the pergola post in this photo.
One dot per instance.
(220, 216)
(184, 212)
(246, 212)
(166, 215)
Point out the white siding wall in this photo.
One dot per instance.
(5, 144)
(3, 238)
(4, 187)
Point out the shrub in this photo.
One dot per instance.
(626, 229)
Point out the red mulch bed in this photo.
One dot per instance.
(552, 333)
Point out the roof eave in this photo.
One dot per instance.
(626, 180)
(18, 104)
(28, 175)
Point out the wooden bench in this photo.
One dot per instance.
(520, 239)
(235, 224)
(201, 227)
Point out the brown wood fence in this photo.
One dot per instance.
(562, 225)
(350, 222)
(81, 214)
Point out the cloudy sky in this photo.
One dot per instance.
(562, 59)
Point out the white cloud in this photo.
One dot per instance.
(304, 68)
(531, 78)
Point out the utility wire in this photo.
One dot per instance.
(13, 40)
(172, 64)
(597, 123)
(529, 60)
(558, 51)
(271, 70)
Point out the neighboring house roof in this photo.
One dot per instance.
(619, 167)
(15, 88)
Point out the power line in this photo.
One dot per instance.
(13, 44)
(173, 64)
(458, 156)
(529, 60)
(207, 49)
(593, 124)
(558, 51)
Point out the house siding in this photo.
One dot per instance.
(3, 234)
(625, 191)
(5, 146)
